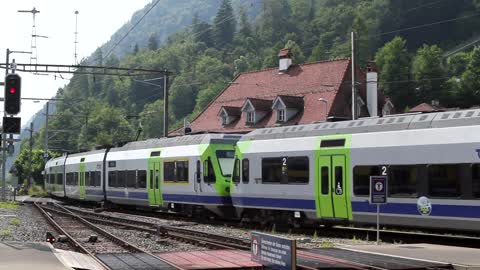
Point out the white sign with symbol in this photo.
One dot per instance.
(379, 186)
(255, 247)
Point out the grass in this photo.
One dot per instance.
(5, 233)
(15, 222)
(37, 191)
(327, 244)
(8, 205)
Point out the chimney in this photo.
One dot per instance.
(372, 93)
(285, 59)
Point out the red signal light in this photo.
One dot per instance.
(13, 90)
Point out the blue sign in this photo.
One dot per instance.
(378, 189)
(274, 252)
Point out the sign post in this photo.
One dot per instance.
(274, 252)
(378, 195)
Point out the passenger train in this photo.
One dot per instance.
(316, 173)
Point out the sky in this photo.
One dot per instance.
(97, 21)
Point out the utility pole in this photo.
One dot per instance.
(4, 142)
(76, 34)
(165, 104)
(354, 91)
(30, 156)
(45, 145)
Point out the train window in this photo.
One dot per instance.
(182, 171)
(142, 179)
(476, 180)
(51, 178)
(297, 169)
(225, 160)
(236, 171)
(325, 176)
(444, 180)
(361, 179)
(69, 179)
(198, 175)
(169, 171)
(208, 172)
(112, 179)
(121, 179)
(87, 179)
(332, 143)
(98, 179)
(131, 179)
(75, 179)
(402, 181)
(175, 171)
(245, 170)
(151, 179)
(285, 170)
(338, 180)
(272, 170)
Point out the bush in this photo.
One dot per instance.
(37, 191)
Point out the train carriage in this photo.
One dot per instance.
(181, 173)
(54, 176)
(320, 172)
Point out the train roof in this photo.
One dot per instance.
(371, 124)
(181, 140)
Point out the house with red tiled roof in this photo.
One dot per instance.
(288, 95)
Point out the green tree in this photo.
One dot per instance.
(22, 164)
(182, 96)
(151, 119)
(393, 63)
(152, 42)
(466, 88)
(245, 26)
(224, 24)
(429, 74)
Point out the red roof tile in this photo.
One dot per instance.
(310, 81)
(425, 107)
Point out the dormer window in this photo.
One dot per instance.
(287, 107)
(281, 115)
(255, 110)
(229, 115)
(251, 117)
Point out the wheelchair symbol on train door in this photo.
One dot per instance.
(339, 190)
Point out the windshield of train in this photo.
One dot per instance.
(225, 159)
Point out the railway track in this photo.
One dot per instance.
(307, 259)
(109, 251)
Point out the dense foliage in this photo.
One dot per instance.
(205, 43)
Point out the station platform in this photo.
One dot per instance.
(20, 256)
(460, 258)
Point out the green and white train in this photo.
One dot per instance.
(316, 173)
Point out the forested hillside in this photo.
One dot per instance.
(208, 42)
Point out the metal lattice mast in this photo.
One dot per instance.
(76, 37)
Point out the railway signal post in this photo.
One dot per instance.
(378, 195)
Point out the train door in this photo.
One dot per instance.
(153, 179)
(198, 176)
(332, 196)
(81, 180)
